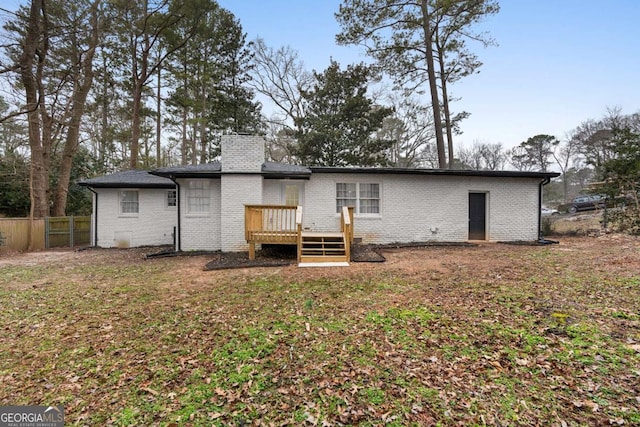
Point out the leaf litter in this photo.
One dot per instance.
(485, 335)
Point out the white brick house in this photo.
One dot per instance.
(390, 204)
(132, 208)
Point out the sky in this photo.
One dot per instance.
(557, 63)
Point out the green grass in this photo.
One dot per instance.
(527, 336)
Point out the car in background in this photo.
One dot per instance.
(545, 211)
(587, 202)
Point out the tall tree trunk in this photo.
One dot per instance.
(194, 144)
(140, 75)
(135, 125)
(447, 113)
(105, 117)
(185, 144)
(203, 126)
(82, 86)
(39, 174)
(159, 120)
(435, 102)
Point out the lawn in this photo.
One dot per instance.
(487, 335)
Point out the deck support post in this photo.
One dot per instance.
(252, 250)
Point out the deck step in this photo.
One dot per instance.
(324, 264)
(322, 247)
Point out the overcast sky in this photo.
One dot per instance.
(558, 63)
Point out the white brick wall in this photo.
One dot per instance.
(242, 153)
(200, 231)
(237, 190)
(272, 191)
(152, 226)
(428, 208)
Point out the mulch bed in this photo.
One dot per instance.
(268, 257)
(278, 256)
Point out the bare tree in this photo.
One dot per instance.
(483, 156)
(519, 159)
(35, 47)
(81, 76)
(281, 77)
(565, 156)
(281, 144)
(454, 60)
(400, 36)
(411, 129)
(142, 25)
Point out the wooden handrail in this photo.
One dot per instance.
(346, 227)
(299, 232)
(299, 216)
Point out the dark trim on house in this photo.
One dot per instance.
(542, 184)
(135, 178)
(433, 172)
(95, 219)
(213, 170)
(193, 175)
(124, 185)
(218, 175)
(306, 177)
(178, 233)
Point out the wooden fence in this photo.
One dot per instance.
(15, 233)
(67, 231)
(51, 232)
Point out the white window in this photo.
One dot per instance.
(171, 199)
(363, 197)
(198, 197)
(369, 198)
(129, 202)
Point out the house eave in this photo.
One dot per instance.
(126, 185)
(187, 175)
(433, 172)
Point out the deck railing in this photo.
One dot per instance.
(299, 231)
(274, 224)
(282, 225)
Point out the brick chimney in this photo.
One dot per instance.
(242, 153)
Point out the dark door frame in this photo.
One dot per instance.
(477, 215)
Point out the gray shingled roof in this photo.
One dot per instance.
(283, 167)
(189, 170)
(214, 169)
(128, 179)
(159, 178)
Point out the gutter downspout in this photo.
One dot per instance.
(95, 219)
(178, 247)
(541, 238)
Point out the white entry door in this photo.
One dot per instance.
(293, 193)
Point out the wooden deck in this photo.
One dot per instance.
(282, 225)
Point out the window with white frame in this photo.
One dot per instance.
(198, 197)
(364, 197)
(171, 198)
(129, 204)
